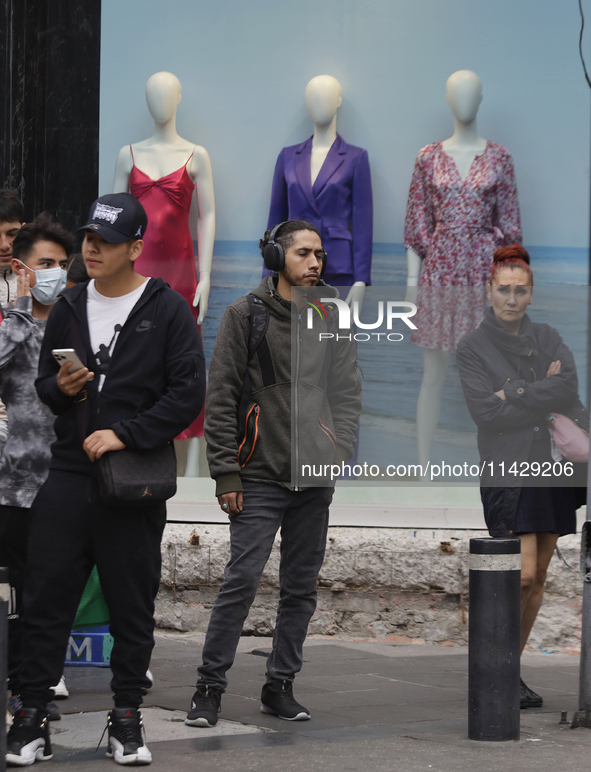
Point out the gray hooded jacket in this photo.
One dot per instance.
(24, 462)
(307, 415)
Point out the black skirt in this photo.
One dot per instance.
(546, 510)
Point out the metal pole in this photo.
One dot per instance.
(493, 654)
(4, 597)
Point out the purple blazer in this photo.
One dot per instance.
(339, 205)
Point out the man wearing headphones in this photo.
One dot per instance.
(265, 371)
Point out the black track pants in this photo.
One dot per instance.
(70, 531)
(14, 528)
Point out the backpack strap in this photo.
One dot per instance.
(257, 341)
(257, 344)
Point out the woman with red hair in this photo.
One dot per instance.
(515, 374)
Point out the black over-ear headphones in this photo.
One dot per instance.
(274, 255)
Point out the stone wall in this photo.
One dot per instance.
(396, 583)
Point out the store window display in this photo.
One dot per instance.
(167, 173)
(327, 181)
(462, 206)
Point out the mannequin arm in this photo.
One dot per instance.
(362, 220)
(122, 171)
(279, 209)
(201, 172)
(414, 271)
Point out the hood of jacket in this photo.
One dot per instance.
(267, 292)
(76, 296)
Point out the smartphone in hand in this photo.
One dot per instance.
(62, 355)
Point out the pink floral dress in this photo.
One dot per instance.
(455, 227)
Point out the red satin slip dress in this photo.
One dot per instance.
(168, 246)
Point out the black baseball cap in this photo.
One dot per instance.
(117, 217)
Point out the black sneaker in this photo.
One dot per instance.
(28, 739)
(529, 698)
(277, 698)
(53, 711)
(205, 706)
(126, 744)
(15, 704)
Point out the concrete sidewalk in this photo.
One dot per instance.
(375, 706)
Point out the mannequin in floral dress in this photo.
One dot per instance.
(461, 207)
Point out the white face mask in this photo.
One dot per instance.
(49, 283)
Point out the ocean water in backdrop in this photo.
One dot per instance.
(393, 374)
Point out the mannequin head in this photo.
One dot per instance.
(324, 96)
(163, 94)
(464, 95)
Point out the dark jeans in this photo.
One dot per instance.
(71, 530)
(14, 531)
(303, 519)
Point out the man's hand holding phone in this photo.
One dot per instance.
(71, 384)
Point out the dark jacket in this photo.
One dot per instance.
(490, 359)
(155, 384)
(307, 415)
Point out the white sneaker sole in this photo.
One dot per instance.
(33, 752)
(303, 716)
(141, 758)
(203, 722)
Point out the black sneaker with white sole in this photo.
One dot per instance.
(126, 744)
(206, 703)
(28, 739)
(277, 698)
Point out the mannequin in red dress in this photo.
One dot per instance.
(162, 172)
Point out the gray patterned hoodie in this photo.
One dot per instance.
(7, 294)
(24, 462)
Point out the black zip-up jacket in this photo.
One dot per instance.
(155, 384)
(489, 359)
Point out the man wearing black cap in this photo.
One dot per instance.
(143, 383)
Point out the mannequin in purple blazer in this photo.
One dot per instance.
(339, 204)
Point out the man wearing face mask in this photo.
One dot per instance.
(39, 255)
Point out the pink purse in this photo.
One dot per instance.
(571, 441)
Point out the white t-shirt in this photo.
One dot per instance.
(106, 316)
